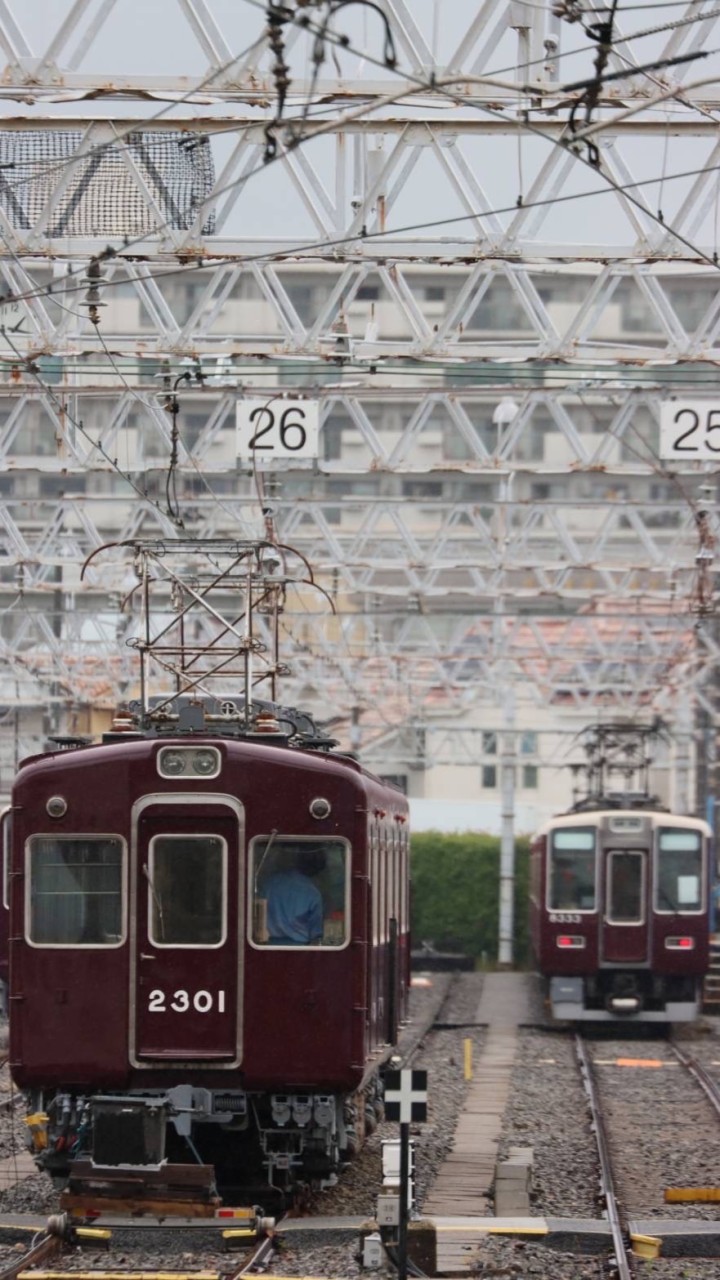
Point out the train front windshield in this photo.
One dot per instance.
(679, 876)
(571, 882)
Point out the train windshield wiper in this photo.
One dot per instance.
(156, 900)
(665, 897)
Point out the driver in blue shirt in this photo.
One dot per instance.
(294, 902)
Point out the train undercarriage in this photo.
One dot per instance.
(285, 1140)
(634, 995)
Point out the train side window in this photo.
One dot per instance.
(679, 871)
(299, 892)
(571, 870)
(625, 895)
(187, 888)
(75, 891)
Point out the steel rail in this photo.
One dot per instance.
(622, 1261)
(40, 1251)
(708, 1084)
(259, 1259)
(52, 1243)
(406, 1053)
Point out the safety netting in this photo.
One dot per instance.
(135, 185)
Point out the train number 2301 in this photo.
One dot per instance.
(183, 1001)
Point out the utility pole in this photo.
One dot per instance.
(508, 759)
(502, 418)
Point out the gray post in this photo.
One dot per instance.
(503, 417)
(403, 1206)
(680, 801)
(508, 761)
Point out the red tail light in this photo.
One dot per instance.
(680, 944)
(570, 940)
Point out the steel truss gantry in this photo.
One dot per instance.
(428, 243)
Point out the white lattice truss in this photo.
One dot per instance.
(553, 550)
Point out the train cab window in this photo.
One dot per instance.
(679, 871)
(186, 903)
(571, 872)
(625, 894)
(75, 891)
(300, 892)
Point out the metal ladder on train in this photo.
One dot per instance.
(711, 985)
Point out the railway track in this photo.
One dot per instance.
(61, 1238)
(41, 1250)
(627, 1189)
(708, 1084)
(618, 1225)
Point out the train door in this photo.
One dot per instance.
(625, 929)
(186, 887)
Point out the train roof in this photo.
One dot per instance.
(123, 746)
(593, 817)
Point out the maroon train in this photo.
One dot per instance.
(619, 906)
(152, 1013)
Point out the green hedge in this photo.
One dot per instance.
(455, 889)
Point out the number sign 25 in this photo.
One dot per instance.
(277, 428)
(690, 430)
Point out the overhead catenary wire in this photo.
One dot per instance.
(624, 188)
(431, 85)
(289, 252)
(78, 426)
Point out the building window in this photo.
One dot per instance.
(530, 776)
(528, 743)
(488, 776)
(489, 743)
(422, 489)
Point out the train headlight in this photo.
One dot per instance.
(206, 763)
(320, 807)
(56, 806)
(188, 762)
(172, 763)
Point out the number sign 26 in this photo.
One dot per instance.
(277, 428)
(690, 430)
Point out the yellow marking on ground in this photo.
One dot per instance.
(119, 1275)
(468, 1069)
(550, 1061)
(652, 1063)
(679, 1195)
(484, 1225)
(646, 1246)
(518, 1231)
(633, 1062)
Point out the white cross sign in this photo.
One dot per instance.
(406, 1096)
